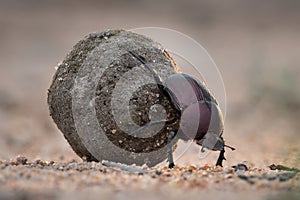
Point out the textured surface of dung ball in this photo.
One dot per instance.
(102, 99)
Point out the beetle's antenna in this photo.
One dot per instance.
(142, 60)
(232, 148)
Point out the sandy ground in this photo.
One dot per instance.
(256, 47)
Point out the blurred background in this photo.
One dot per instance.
(255, 44)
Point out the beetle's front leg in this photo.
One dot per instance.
(221, 158)
(169, 149)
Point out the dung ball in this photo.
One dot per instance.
(107, 103)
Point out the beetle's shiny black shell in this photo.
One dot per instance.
(184, 89)
(201, 117)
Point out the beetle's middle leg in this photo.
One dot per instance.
(169, 149)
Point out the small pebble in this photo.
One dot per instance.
(113, 131)
(228, 176)
(205, 173)
(21, 160)
(240, 168)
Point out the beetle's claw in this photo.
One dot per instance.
(171, 165)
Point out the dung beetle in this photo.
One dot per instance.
(201, 119)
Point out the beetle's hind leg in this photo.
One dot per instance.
(169, 149)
